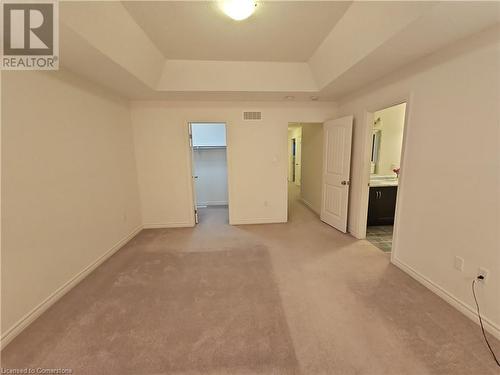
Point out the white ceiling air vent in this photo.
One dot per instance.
(252, 115)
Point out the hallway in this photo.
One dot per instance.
(294, 298)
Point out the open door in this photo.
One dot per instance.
(193, 177)
(298, 161)
(336, 171)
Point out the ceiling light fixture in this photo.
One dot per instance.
(289, 97)
(238, 10)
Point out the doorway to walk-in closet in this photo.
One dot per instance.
(209, 167)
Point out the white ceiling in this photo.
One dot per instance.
(198, 30)
(190, 51)
(442, 25)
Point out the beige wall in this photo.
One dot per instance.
(449, 201)
(69, 185)
(391, 127)
(257, 157)
(312, 165)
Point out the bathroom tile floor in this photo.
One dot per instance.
(380, 236)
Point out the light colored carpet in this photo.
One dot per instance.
(260, 299)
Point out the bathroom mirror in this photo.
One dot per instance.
(377, 133)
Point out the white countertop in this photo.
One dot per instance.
(383, 183)
(380, 181)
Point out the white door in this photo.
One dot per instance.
(193, 176)
(290, 160)
(298, 158)
(336, 171)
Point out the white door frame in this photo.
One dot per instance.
(191, 167)
(298, 156)
(365, 177)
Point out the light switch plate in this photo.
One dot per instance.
(459, 263)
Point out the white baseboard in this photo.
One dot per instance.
(309, 205)
(30, 317)
(167, 225)
(461, 306)
(213, 203)
(257, 221)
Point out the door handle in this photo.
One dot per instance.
(344, 183)
(195, 176)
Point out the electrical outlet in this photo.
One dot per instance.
(459, 263)
(483, 272)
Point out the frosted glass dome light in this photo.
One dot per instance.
(238, 10)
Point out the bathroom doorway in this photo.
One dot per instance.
(386, 143)
(209, 171)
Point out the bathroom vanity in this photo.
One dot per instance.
(382, 201)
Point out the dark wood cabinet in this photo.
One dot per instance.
(382, 205)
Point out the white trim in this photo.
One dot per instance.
(212, 203)
(191, 187)
(31, 316)
(288, 155)
(258, 221)
(401, 178)
(309, 205)
(365, 177)
(182, 224)
(461, 306)
(230, 182)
